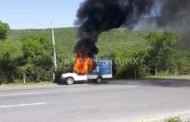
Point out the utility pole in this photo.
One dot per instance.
(54, 51)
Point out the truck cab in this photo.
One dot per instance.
(103, 71)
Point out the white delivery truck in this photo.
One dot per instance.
(103, 71)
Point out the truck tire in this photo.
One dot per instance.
(69, 81)
(99, 80)
(61, 81)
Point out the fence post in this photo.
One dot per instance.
(156, 72)
(24, 78)
(135, 74)
(176, 72)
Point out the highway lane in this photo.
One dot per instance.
(115, 101)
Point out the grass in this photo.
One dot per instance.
(170, 119)
(169, 76)
(18, 84)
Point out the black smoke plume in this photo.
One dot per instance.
(96, 16)
(173, 15)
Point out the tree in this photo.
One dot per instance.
(182, 62)
(10, 54)
(37, 60)
(127, 63)
(4, 28)
(162, 52)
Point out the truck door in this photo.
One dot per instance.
(81, 77)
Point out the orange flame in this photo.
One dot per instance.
(83, 65)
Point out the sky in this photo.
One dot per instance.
(38, 14)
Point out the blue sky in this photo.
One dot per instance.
(22, 14)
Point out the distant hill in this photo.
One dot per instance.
(108, 41)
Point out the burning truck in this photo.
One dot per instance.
(86, 69)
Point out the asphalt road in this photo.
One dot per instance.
(112, 102)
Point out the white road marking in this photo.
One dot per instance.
(22, 105)
(5, 95)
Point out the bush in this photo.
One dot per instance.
(174, 119)
(127, 63)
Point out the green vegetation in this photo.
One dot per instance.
(168, 76)
(4, 28)
(27, 54)
(158, 56)
(174, 119)
(181, 118)
(20, 84)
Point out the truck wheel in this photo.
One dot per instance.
(69, 81)
(99, 80)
